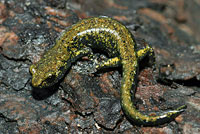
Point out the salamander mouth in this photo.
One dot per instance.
(37, 83)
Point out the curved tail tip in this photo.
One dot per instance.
(182, 108)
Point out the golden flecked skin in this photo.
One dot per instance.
(107, 35)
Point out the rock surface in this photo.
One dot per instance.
(86, 102)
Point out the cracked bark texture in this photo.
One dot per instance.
(87, 102)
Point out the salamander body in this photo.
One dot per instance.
(107, 35)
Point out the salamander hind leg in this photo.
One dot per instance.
(147, 51)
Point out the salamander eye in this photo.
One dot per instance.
(51, 79)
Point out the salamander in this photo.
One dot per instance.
(109, 36)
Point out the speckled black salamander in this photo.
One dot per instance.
(110, 36)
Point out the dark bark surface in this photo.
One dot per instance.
(86, 101)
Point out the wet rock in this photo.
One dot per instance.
(7, 126)
(88, 102)
(191, 128)
(14, 73)
(30, 115)
(126, 127)
(164, 130)
(77, 93)
(194, 102)
(87, 97)
(108, 112)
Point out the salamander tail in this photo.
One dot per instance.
(146, 120)
(136, 116)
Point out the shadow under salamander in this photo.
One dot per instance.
(44, 93)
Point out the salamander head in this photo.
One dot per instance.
(46, 73)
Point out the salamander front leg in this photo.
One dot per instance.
(112, 62)
(105, 63)
(80, 53)
(84, 51)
